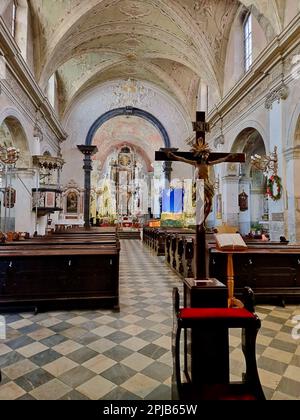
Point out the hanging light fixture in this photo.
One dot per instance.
(130, 93)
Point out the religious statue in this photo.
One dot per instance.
(243, 201)
(202, 152)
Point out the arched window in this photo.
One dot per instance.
(248, 45)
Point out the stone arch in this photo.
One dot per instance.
(251, 181)
(22, 179)
(10, 112)
(236, 146)
(131, 112)
(12, 128)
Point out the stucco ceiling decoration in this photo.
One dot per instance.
(135, 9)
(160, 25)
(188, 38)
(158, 74)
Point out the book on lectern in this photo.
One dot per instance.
(230, 241)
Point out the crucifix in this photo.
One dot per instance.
(202, 158)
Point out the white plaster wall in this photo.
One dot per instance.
(259, 38)
(88, 108)
(292, 7)
(234, 65)
(257, 119)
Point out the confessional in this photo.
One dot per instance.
(208, 319)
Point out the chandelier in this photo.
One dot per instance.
(130, 93)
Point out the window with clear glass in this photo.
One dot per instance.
(248, 41)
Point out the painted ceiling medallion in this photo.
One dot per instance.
(135, 9)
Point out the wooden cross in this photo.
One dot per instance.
(201, 158)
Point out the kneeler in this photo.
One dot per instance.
(207, 319)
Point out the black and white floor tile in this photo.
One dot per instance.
(127, 356)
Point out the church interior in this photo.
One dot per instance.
(149, 184)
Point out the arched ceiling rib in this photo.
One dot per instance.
(172, 43)
(79, 74)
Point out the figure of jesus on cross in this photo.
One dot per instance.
(202, 158)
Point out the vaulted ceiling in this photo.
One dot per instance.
(174, 44)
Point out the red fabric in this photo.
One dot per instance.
(220, 392)
(215, 313)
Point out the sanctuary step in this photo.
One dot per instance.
(132, 235)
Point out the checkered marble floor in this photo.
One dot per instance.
(113, 356)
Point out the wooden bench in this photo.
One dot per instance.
(273, 272)
(57, 272)
(271, 269)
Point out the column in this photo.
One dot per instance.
(293, 193)
(275, 103)
(88, 152)
(230, 187)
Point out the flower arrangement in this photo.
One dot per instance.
(274, 181)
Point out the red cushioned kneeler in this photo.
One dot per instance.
(206, 319)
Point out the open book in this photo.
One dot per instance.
(230, 241)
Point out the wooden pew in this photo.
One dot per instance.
(60, 272)
(155, 238)
(272, 271)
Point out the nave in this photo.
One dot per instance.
(127, 356)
